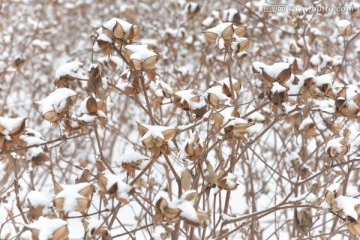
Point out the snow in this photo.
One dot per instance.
(217, 90)
(230, 180)
(87, 118)
(258, 66)
(352, 91)
(73, 69)
(347, 204)
(315, 59)
(38, 199)
(187, 210)
(219, 29)
(94, 224)
(336, 144)
(42, 44)
(123, 188)
(337, 60)
(142, 55)
(310, 73)
(30, 139)
(229, 14)
(110, 24)
(10, 125)
(207, 22)
(324, 79)
(334, 187)
(56, 101)
(276, 87)
(155, 131)
(186, 194)
(47, 226)
(275, 69)
(256, 116)
(343, 24)
(188, 96)
(158, 232)
(131, 156)
(70, 193)
(234, 121)
(226, 81)
(103, 37)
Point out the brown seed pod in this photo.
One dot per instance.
(91, 105)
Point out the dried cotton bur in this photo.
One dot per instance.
(114, 31)
(47, 228)
(37, 155)
(331, 193)
(343, 205)
(10, 130)
(304, 220)
(182, 208)
(337, 147)
(230, 126)
(226, 86)
(140, 57)
(275, 78)
(131, 161)
(38, 203)
(111, 184)
(57, 104)
(95, 228)
(165, 210)
(156, 137)
(74, 197)
(92, 109)
(344, 27)
(347, 101)
(191, 102)
(194, 147)
(228, 183)
(159, 91)
(301, 169)
(67, 73)
(228, 38)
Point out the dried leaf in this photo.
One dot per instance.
(186, 179)
(210, 176)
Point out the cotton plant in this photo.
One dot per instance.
(163, 131)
